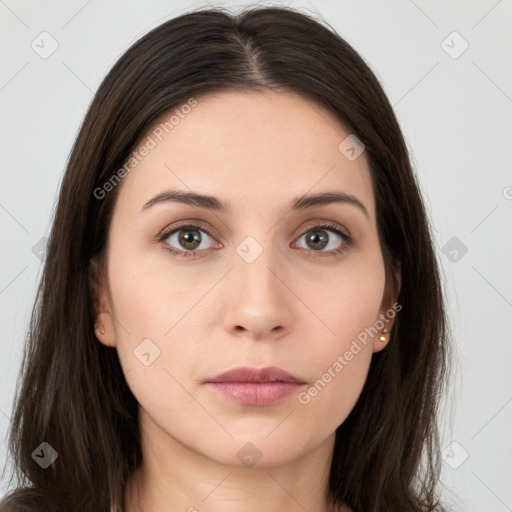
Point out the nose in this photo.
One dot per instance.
(259, 302)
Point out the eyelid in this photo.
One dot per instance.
(164, 233)
(318, 223)
(168, 230)
(339, 230)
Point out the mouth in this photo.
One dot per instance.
(255, 386)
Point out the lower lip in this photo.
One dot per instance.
(255, 393)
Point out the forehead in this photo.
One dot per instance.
(251, 149)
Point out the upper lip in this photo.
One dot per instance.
(247, 374)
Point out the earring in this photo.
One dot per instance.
(383, 337)
(102, 331)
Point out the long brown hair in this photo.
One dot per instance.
(72, 393)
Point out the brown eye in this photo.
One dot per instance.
(187, 239)
(317, 239)
(325, 239)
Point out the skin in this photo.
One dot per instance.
(213, 312)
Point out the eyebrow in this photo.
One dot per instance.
(208, 202)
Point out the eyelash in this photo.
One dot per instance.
(347, 240)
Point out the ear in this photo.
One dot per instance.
(101, 304)
(388, 311)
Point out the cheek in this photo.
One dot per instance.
(161, 318)
(343, 340)
(157, 340)
(151, 296)
(344, 300)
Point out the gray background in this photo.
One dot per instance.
(454, 107)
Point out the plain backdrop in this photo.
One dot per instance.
(446, 67)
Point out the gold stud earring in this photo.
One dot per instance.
(383, 337)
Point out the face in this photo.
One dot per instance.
(258, 283)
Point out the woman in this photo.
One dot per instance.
(241, 305)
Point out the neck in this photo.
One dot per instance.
(174, 477)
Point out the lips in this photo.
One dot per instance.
(255, 386)
(247, 374)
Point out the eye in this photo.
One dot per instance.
(191, 239)
(317, 239)
(188, 239)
